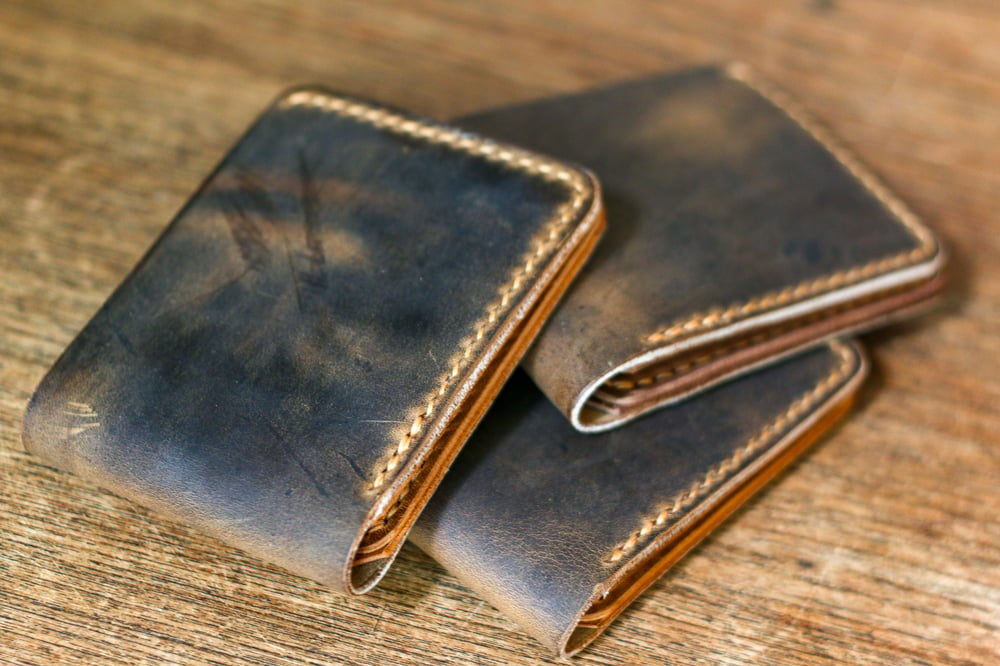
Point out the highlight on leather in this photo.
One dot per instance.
(562, 530)
(741, 231)
(297, 359)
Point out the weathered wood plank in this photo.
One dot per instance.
(883, 545)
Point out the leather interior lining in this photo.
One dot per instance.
(629, 394)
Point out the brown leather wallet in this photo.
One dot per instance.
(562, 530)
(739, 232)
(297, 359)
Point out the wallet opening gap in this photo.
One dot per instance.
(627, 395)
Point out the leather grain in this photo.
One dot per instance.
(739, 232)
(297, 359)
(561, 529)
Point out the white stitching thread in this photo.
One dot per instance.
(544, 245)
(715, 317)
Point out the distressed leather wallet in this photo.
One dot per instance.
(562, 530)
(739, 232)
(295, 362)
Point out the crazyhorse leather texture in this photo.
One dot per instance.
(739, 232)
(298, 358)
(562, 530)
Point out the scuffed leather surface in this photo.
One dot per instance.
(713, 195)
(532, 508)
(256, 368)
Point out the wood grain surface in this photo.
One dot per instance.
(882, 546)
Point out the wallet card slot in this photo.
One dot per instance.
(663, 381)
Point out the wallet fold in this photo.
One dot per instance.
(297, 359)
(741, 232)
(561, 530)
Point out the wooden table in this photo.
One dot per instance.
(882, 546)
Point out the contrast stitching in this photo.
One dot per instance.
(492, 152)
(724, 470)
(720, 316)
(630, 384)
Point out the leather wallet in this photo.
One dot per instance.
(298, 358)
(740, 232)
(562, 530)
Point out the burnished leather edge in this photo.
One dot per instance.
(483, 364)
(918, 268)
(739, 360)
(657, 543)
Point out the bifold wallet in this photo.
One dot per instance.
(561, 529)
(297, 359)
(740, 232)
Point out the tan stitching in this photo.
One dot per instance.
(629, 384)
(716, 317)
(545, 244)
(731, 465)
(647, 381)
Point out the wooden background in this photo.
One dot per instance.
(882, 546)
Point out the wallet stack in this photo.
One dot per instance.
(297, 360)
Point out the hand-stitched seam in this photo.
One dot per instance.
(763, 336)
(544, 243)
(731, 465)
(720, 316)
